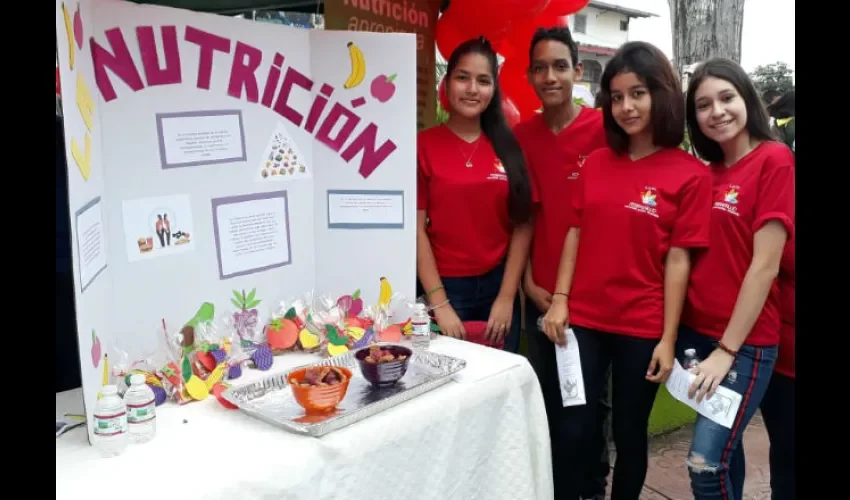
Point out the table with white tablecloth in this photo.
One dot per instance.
(481, 436)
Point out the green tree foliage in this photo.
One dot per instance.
(776, 76)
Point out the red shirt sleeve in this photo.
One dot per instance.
(692, 228)
(787, 265)
(776, 193)
(423, 176)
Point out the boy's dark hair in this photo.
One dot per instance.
(784, 107)
(496, 129)
(558, 34)
(730, 71)
(652, 67)
(769, 96)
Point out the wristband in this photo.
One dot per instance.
(434, 308)
(566, 295)
(435, 289)
(723, 347)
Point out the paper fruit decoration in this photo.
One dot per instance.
(383, 88)
(282, 333)
(95, 349)
(351, 304)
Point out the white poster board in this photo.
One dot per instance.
(206, 154)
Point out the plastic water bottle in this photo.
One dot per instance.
(691, 360)
(141, 410)
(421, 323)
(110, 422)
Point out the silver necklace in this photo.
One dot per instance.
(468, 163)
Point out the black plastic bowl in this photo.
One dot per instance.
(388, 373)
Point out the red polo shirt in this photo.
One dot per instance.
(467, 207)
(757, 189)
(554, 162)
(630, 213)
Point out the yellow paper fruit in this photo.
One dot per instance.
(336, 350)
(307, 339)
(355, 332)
(196, 388)
(215, 376)
(226, 346)
(152, 380)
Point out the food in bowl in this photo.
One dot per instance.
(319, 388)
(320, 376)
(384, 364)
(378, 354)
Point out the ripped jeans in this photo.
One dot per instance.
(716, 462)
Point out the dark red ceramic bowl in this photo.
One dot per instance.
(387, 373)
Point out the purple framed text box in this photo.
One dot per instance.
(77, 214)
(161, 117)
(218, 202)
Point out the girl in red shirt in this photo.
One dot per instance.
(474, 204)
(641, 207)
(731, 316)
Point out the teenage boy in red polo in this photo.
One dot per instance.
(556, 143)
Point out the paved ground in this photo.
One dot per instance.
(667, 478)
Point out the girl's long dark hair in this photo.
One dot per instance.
(757, 122)
(496, 129)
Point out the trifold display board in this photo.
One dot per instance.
(209, 154)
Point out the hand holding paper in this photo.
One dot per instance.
(722, 407)
(570, 376)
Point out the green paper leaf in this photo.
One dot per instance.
(435, 327)
(253, 304)
(392, 77)
(93, 336)
(237, 304)
(168, 371)
(214, 347)
(238, 296)
(334, 337)
(356, 295)
(205, 313)
(251, 295)
(290, 314)
(187, 369)
(309, 318)
(275, 323)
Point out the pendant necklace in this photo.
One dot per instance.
(468, 163)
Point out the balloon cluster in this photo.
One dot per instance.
(509, 26)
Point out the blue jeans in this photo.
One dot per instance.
(716, 462)
(472, 298)
(777, 410)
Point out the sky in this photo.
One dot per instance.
(769, 29)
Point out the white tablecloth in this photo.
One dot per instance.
(483, 436)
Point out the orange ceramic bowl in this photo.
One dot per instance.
(318, 399)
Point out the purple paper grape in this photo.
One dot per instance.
(219, 355)
(159, 394)
(367, 338)
(234, 372)
(263, 358)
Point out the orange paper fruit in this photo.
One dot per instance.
(391, 333)
(282, 333)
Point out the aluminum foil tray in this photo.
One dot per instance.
(270, 399)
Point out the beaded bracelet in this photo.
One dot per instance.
(728, 350)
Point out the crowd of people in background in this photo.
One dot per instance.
(613, 230)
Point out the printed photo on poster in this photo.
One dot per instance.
(251, 233)
(154, 227)
(196, 138)
(282, 160)
(91, 242)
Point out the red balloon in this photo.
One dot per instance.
(512, 115)
(443, 94)
(493, 18)
(518, 40)
(565, 7)
(513, 81)
(449, 35)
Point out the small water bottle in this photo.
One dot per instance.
(110, 422)
(141, 410)
(421, 323)
(691, 360)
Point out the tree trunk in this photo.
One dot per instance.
(703, 29)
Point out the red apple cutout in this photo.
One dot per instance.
(391, 333)
(383, 87)
(95, 349)
(282, 333)
(217, 390)
(78, 27)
